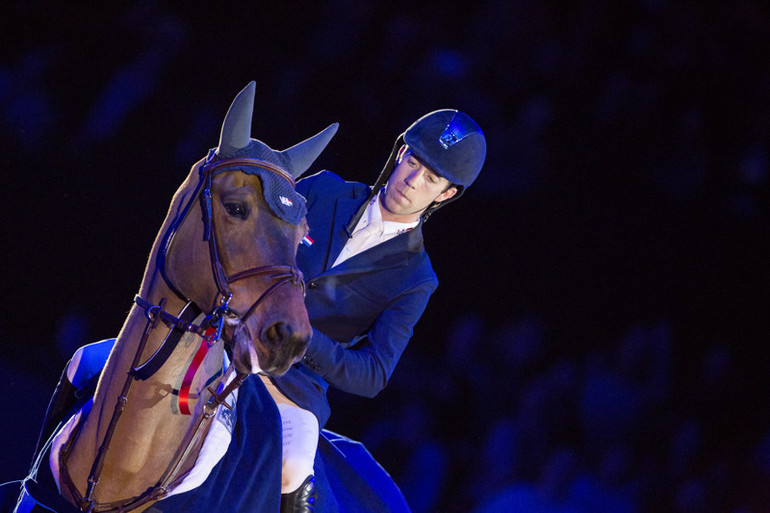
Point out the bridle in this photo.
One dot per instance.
(280, 274)
(210, 330)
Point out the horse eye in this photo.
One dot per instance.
(238, 210)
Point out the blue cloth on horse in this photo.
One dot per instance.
(246, 480)
(9, 492)
(349, 479)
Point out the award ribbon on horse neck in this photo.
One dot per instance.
(184, 391)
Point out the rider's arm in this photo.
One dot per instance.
(365, 367)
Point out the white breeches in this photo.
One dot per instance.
(300, 439)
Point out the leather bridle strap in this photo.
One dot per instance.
(282, 274)
(203, 193)
(179, 325)
(262, 164)
(209, 234)
(170, 478)
(86, 503)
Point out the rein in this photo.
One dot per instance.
(210, 332)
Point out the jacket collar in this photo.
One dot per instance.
(392, 253)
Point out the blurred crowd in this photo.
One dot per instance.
(502, 422)
(597, 340)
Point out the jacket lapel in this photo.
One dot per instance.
(392, 253)
(343, 211)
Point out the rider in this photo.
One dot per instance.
(368, 278)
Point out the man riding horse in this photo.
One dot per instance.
(368, 281)
(368, 278)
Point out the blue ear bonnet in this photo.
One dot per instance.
(281, 168)
(278, 190)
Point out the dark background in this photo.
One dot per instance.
(598, 340)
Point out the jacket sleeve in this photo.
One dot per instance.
(364, 367)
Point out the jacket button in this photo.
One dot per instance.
(310, 363)
(312, 285)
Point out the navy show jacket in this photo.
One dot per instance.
(363, 311)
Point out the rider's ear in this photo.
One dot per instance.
(401, 153)
(446, 194)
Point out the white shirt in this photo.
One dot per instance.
(372, 230)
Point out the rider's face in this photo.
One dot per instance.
(411, 188)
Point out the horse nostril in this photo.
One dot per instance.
(285, 343)
(284, 333)
(277, 333)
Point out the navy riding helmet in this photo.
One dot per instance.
(450, 143)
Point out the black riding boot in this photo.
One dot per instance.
(301, 500)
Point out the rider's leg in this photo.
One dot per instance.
(77, 384)
(300, 442)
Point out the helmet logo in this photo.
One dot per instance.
(458, 128)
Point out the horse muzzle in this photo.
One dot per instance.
(278, 346)
(284, 345)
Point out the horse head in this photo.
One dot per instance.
(253, 222)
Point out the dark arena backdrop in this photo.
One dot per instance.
(598, 341)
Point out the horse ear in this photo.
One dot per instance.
(236, 128)
(303, 154)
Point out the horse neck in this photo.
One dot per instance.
(137, 327)
(150, 427)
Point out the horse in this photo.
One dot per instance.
(222, 272)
